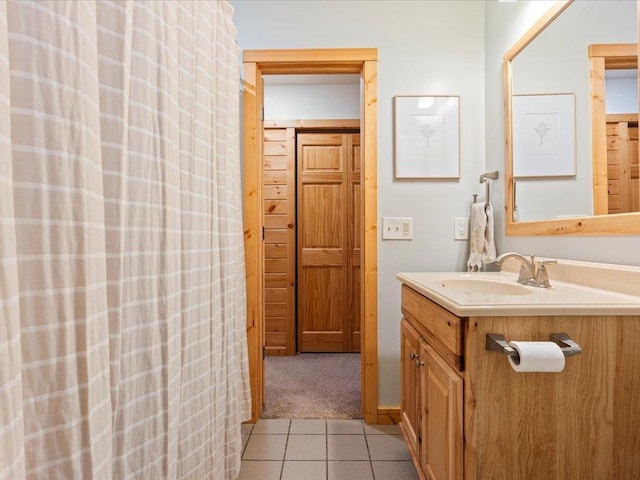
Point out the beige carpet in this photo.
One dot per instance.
(313, 385)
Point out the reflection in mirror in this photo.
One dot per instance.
(553, 59)
(621, 118)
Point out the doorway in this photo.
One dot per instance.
(257, 63)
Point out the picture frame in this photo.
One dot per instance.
(427, 137)
(544, 139)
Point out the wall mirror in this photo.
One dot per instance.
(555, 172)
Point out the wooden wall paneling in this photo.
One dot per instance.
(613, 168)
(279, 240)
(622, 164)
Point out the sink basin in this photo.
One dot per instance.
(485, 286)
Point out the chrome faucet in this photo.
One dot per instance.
(532, 272)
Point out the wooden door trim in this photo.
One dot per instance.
(325, 61)
(302, 125)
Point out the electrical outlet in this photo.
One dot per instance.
(460, 228)
(397, 228)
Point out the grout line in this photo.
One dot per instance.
(326, 449)
(286, 445)
(366, 441)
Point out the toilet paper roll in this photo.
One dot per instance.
(537, 357)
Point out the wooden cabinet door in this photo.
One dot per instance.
(441, 423)
(325, 288)
(409, 352)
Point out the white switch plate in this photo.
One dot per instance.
(397, 228)
(460, 228)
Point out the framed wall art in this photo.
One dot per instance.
(427, 137)
(544, 140)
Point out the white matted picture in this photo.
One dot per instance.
(427, 137)
(544, 142)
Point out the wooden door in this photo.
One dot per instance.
(622, 164)
(325, 244)
(440, 417)
(279, 193)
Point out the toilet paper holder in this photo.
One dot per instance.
(497, 343)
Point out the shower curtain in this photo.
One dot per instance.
(122, 295)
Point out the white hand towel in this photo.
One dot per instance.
(477, 238)
(489, 244)
(482, 246)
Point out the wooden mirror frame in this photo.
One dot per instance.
(618, 224)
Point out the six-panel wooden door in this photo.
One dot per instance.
(328, 248)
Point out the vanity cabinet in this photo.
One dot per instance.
(431, 387)
(466, 414)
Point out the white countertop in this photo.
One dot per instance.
(561, 299)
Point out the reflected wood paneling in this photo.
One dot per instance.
(622, 164)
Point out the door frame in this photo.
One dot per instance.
(604, 57)
(362, 61)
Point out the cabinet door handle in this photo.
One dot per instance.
(413, 356)
(419, 363)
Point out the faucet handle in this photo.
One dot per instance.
(542, 277)
(546, 262)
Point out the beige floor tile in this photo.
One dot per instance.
(307, 470)
(394, 471)
(308, 427)
(347, 447)
(345, 427)
(253, 470)
(265, 447)
(387, 447)
(306, 447)
(350, 470)
(278, 426)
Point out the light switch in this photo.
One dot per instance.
(397, 228)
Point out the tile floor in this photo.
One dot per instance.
(281, 449)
